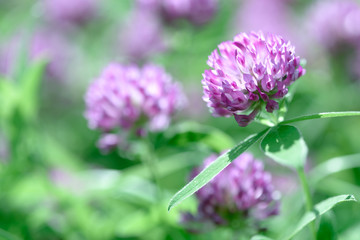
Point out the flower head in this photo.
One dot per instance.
(335, 22)
(202, 11)
(129, 97)
(242, 189)
(142, 35)
(43, 44)
(174, 9)
(196, 11)
(69, 11)
(108, 142)
(269, 16)
(251, 71)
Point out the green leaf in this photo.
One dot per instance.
(319, 210)
(8, 98)
(191, 132)
(4, 235)
(260, 237)
(286, 146)
(213, 169)
(334, 165)
(323, 115)
(136, 190)
(351, 233)
(327, 228)
(30, 85)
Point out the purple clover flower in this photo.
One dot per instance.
(196, 11)
(175, 9)
(108, 142)
(268, 16)
(43, 44)
(151, 5)
(202, 11)
(335, 22)
(142, 34)
(132, 98)
(75, 12)
(252, 71)
(243, 189)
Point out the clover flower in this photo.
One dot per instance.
(335, 22)
(42, 44)
(242, 190)
(142, 35)
(196, 11)
(252, 71)
(202, 11)
(128, 97)
(73, 12)
(269, 16)
(175, 9)
(108, 142)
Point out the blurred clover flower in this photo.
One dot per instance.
(42, 44)
(275, 16)
(131, 98)
(143, 34)
(252, 71)
(269, 16)
(75, 12)
(335, 23)
(196, 11)
(243, 190)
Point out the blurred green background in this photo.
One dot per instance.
(56, 184)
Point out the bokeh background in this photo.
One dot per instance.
(54, 181)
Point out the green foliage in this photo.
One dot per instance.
(8, 97)
(334, 165)
(19, 100)
(260, 237)
(323, 115)
(319, 209)
(30, 89)
(327, 227)
(286, 146)
(42, 130)
(7, 236)
(194, 133)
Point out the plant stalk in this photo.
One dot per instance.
(308, 200)
(151, 162)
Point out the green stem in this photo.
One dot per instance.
(265, 122)
(322, 115)
(151, 162)
(308, 201)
